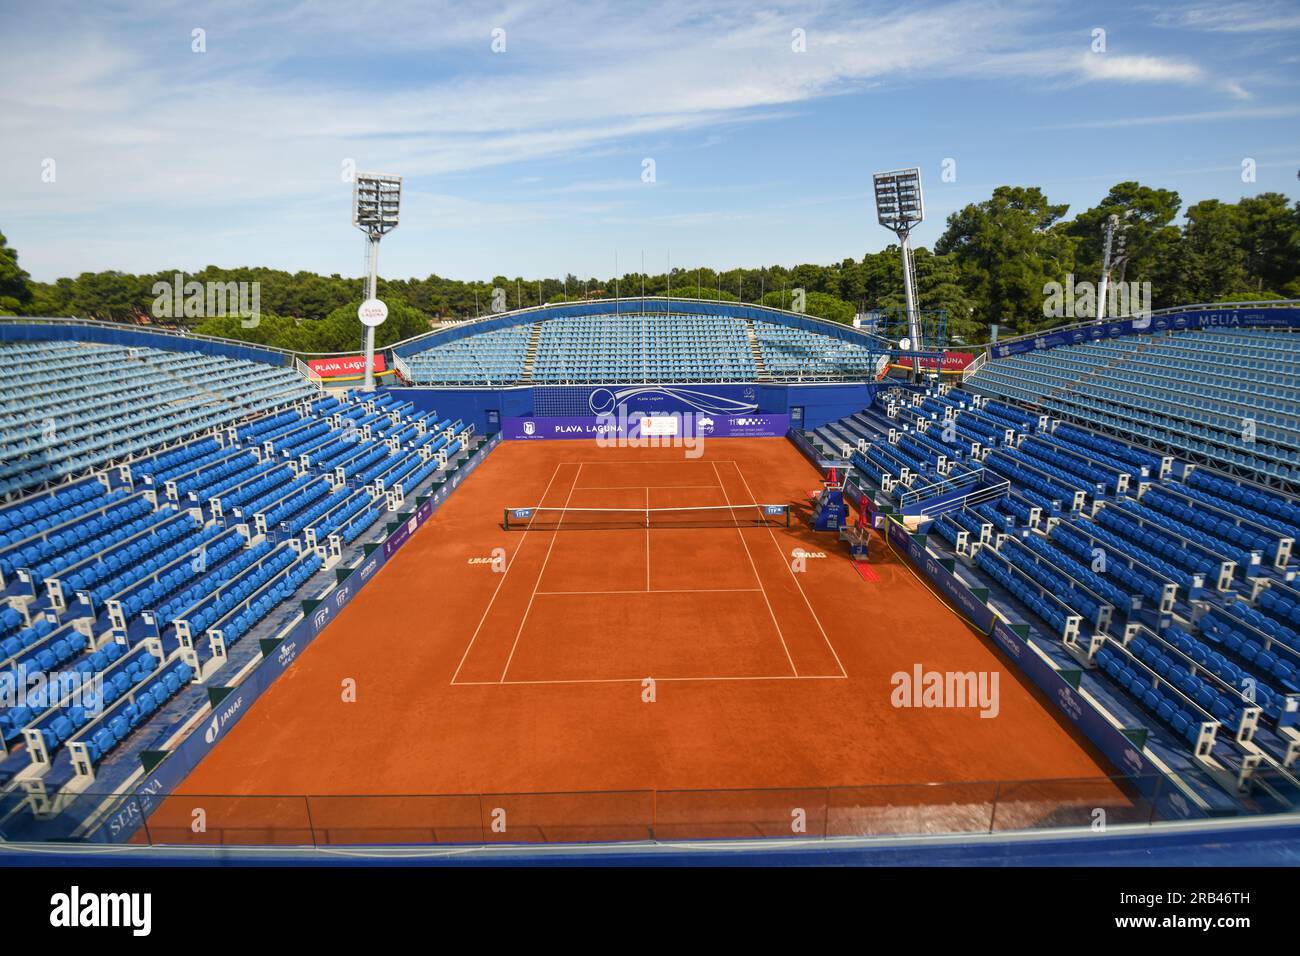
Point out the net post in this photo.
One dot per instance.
(787, 516)
(506, 522)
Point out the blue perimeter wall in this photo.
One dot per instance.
(821, 402)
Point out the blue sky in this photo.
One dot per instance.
(529, 160)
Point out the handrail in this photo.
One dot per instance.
(980, 360)
(841, 331)
(942, 486)
(146, 330)
(309, 373)
(1172, 310)
(844, 332)
(403, 368)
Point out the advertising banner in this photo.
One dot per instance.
(952, 361)
(704, 399)
(1195, 319)
(755, 425)
(344, 365)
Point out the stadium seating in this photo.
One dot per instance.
(1228, 398)
(68, 407)
(217, 513)
(635, 347)
(1170, 581)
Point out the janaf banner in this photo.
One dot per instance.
(1138, 325)
(636, 425)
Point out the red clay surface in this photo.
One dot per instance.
(475, 682)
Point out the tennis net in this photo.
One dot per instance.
(703, 516)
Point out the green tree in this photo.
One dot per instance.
(696, 292)
(14, 290)
(1270, 240)
(818, 304)
(1007, 251)
(1212, 253)
(1144, 214)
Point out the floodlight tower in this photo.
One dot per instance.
(375, 201)
(900, 208)
(1113, 233)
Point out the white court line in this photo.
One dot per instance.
(635, 487)
(754, 567)
(647, 539)
(510, 564)
(638, 680)
(542, 573)
(776, 544)
(652, 461)
(659, 591)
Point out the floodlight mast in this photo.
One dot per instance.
(376, 198)
(1113, 232)
(899, 208)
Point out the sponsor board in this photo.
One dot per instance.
(979, 613)
(660, 426)
(344, 365)
(168, 774)
(1194, 319)
(721, 399)
(951, 361)
(752, 425)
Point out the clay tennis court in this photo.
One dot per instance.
(531, 685)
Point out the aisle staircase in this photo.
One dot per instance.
(530, 357)
(754, 347)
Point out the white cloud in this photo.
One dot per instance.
(139, 125)
(1138, 69)
(1254, 17)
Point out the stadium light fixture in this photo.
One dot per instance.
(900, 207)
(1112, 235)
(376, 199)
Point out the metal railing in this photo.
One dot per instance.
(987, 493)
(309, 373)
(403, 369)
(819, 813)
(942, 487)
(978, 363)
(1172, 310)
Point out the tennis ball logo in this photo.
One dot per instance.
(601, 401)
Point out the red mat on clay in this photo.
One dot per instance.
(470, 682)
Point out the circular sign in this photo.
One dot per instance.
(904, 345)
(372, 312)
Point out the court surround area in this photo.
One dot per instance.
(531, 684)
